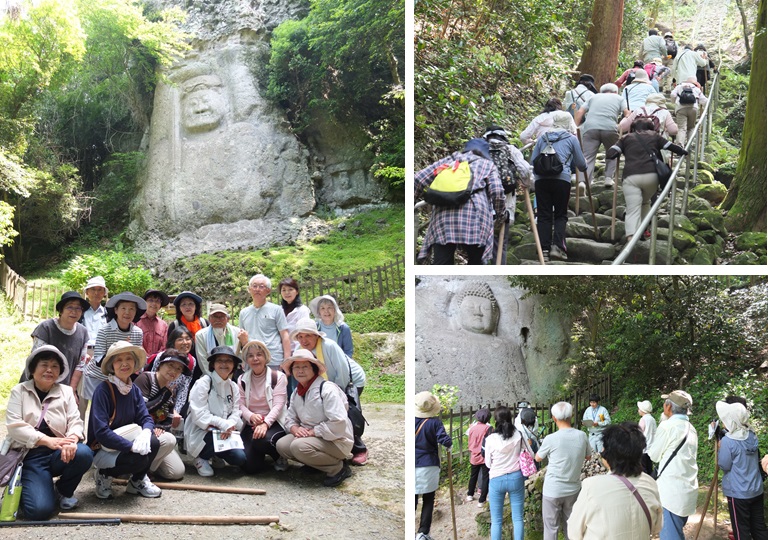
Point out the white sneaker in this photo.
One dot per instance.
(203, 467)
(480, 505)
(281, 464)
(469, 498)
(143, 487)
(68, 503)
(608, 182)
(103, 485)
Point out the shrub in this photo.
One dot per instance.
(388, 318)
(122, 272)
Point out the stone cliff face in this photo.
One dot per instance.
(476, 333)
(223, 168)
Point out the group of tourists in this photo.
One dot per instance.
(273, 389)
(652, 482)
(628, 117)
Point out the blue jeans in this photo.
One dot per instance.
(233, 457)
(41, 465)
(514, 484)
(673, 526)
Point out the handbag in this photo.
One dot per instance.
(663, 171)
(527, 463)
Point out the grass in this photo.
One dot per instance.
(15, 344)
(383, 360)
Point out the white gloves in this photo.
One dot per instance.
(141, 443)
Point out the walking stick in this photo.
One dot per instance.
(529, 206)
(578, 195)
(712, 487)
(615, 196)
(450, 485)
(591, 203)
(500, 245)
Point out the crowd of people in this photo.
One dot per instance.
(273, 389)
(651, 487)
(627, 117)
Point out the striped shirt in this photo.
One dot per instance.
(108, 335)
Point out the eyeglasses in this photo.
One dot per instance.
(74, 308)
(259, 286)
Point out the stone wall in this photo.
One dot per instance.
(478, 334)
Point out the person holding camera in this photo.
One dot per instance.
(739, 457)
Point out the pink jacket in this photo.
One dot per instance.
(476, 433)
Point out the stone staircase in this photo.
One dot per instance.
(698, 238)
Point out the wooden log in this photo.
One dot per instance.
(187, 520)
(199, 487)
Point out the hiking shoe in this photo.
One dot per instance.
(218, 463)
(608, 182)
(103, 485)
(546, 255)
(203, 467)
(557, 253)
(423, 536)
(339, 477)
(469, 498)
(361, 458)
(143, 487)
(281, 464)
(67, 503)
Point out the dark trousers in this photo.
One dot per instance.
(748, 518)
(443, 253)
(41, 465)
(358, 447)
(257, 449)
(233, 457)
(134, 464)
(552, 197)
(427, 505)
(478, 474)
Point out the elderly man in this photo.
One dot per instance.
(95, 316)
(653, 46)
(566, 449)
(265, 321)
(674, 448)
(219, 332)
(340, 369)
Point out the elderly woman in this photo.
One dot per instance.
(42, 415)
(263, 398)
(66, 334)
(655, 105)
(554, 191)
(123, 311)
(320, 433)
(502, 457)
(640, 179)
(189, 313)
(181, 340)
(293, 308)
(330, 320)
(607, 506)
(739, 457)
(545, 121)
(213, 405)
(120, 427)
(159, 398)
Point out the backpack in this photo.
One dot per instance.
(574, 106)
(671, 47)
(452, 185)
(502, 158)
(547, 164)
(354, 413)
(651, 116)
(687, 97)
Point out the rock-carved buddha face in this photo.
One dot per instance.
(478, 309)
(202, 104)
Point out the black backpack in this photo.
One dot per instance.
(671, 47)
(547, 164)
(687, 97)
(502, 158)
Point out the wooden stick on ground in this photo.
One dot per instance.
(187, 520)
(199, 487)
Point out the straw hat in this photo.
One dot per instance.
(119, 347)
(306, 326)
(427, 405)
(301, 355)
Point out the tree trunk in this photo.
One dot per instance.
(601, 52)
(746, 198)
(744, 26)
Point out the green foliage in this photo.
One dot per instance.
(384, 367)
(15, 345)
(357, 242)
(388, 318)
(121, 271)
(447, 395)
(110, 213)
(345, 59)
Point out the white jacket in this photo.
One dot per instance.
(678, 483)
(212, 402)
(326, 415)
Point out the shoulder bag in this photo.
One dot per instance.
(663, 171)
(527, 463)
(679, 446)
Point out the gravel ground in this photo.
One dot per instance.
(370, 504)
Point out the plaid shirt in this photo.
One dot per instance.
(472, 222)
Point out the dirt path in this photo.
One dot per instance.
(368, 505)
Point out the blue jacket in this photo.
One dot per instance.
(432, 434)
(567, 147)
(740, 461)
(130, 409)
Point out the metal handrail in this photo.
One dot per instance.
(705, 119)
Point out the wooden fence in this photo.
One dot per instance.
(457, 422)
(354, 292)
